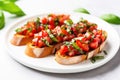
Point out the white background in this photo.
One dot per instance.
(12, 70)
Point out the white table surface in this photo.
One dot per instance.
(12, 70)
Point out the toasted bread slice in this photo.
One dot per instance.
(19, 40)
(37, 52)
(67, 60)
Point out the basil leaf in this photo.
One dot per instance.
(11, 0)
(68, 22)
(111, 18)
(82, 10)
(2, 20)
(94, 58)
(105, 52)
(18, 30)
(11, 7)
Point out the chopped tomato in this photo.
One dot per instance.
(66, 38)
(64, 32)
(44, 33)
(63, 18)
(59, 38)
(40, 43)
(71, 36)
(63, 49)
(92, 28)
(44, 20)
(97, 39)
(85, 47)
(31, 34)
(48, 39)
(79, 43)
(51, 21)
(94, 45)
(72, 53)
(40, 28)
(80, 35)
(52, 15)
(51, 26)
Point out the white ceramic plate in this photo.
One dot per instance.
(48, 64)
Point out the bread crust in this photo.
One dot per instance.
(36, 52)
(19, 40)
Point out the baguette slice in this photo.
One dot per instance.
(67, 60)
(19, 40)
(37, 52)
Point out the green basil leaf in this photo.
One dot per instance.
(82, 10)
(11, 0)
(2, 20)
(94, 58)
(11, 7)
(111, 18)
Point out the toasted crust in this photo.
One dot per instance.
(66, 60)
(19, 40)
(36, 52)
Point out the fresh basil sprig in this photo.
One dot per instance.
(11, 7)
(2, 20)
(82, 10)
(94, 58)
(111, 18)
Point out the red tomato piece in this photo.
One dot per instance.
(40, 44)
(64, 32)
(44, 33)
(51, 26)
(44, 20)
(94, 45)
(63, 49)
(79, 43)
(51, 21)
(85, 47)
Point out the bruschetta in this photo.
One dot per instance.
(25, 34)
(54, 38)
(81, 48)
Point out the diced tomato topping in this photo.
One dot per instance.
(40, 43)
(44, 33)
(51, 21)
(92, 28)
(31, 34)
(51, 26)
(71, 36)
(48, 39)
(97, 40)
(94, 45)
(63, 18)
(59, 38)
(41, 28)
(64, 32)
(85, 47)
(80, 35)
(44, 20)
(52, 15)
(63, 49)
(79, 43)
